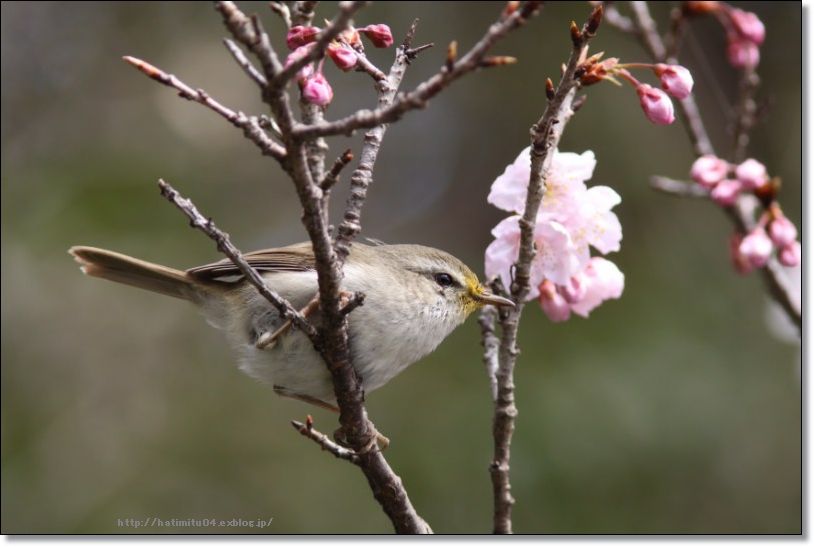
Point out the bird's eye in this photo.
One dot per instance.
(444, 279)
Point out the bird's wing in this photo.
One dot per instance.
(294, 258)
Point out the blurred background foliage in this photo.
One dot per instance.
(674, 409)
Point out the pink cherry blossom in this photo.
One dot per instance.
(675, 80)
(748, 26)
(568, 171)
(756, 247)
(603, 281)
(782, 231)
(791, 254)
(379, 35)
(317, 90)
(726, 192)
(752, 174)
(299, 36)
(709, 170)
(574, 289)
(742, 53)
(343, 57)
(553, 303)
(656, 104)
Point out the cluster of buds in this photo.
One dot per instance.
(676, 81)
(745, 32)
(344, 52)
(774, 231)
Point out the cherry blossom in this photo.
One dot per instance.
(656, 104)
(675, 80)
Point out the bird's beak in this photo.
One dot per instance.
(485, 296)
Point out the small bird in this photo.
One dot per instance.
(415, 297)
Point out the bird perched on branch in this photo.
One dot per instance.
(414, 298)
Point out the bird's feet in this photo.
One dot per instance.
(376, 441)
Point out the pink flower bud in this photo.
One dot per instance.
(379, 35)
(791, 254)
(726, 192)
(756, 247)
(741, 264)
(553, 303)
(675, 80)
(317, 90)
(748, 25)
(656, 104)
(752, 174)
(343, 57)
(782, 231)
(298, 36)
(709, 170)
(742, 53)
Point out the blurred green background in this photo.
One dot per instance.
(674, 409)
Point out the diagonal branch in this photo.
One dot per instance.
(207, 226)
(249, 124)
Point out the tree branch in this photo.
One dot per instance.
(249, 124)
(545, 136)
(224, 243)
(418, 98)
(307, 430)
(775, 280)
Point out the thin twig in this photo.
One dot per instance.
(418, 98)
(303, 13)
(307, 430)
(247, 66)
(678, 188)
(207, 226)
(362, 176)
(249, 124)
(746, 111)
(332, 177)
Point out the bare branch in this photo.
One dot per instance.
(303, 13)
(307, 430)
(333, 175)
(418, 98)
(746, 111)
(207, 226)
(678, 188)
(250, 125)
(245, 64)
(362, 176)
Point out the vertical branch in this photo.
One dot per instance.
(362, 176)
(545, 136)
(746, 111)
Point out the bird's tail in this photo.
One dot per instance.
(139, 273)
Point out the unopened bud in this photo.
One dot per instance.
(596, 18)
(342, 56)
(656, 104)
(675, 80)
(452, 54)
(576, 34)
(549, 89)
(791, 254)
(316, 90)
(299, 35)
(379, 35)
